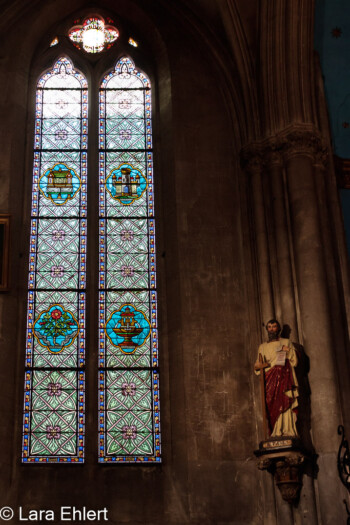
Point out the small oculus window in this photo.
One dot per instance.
(93, 35)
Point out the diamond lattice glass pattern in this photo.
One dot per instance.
(53, 429)
(129, 399)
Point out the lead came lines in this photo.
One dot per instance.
(54, 399)
(129, 426)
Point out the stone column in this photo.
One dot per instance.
(254, 167)
(275, 509)
(330, 249)
(315, 315)
(305, 512)
(280, 239)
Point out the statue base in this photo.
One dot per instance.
(283, 457)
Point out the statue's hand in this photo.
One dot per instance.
(259, 366)
(285, 348)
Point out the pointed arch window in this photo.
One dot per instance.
(54, 412)
(53, 428)
(129, 398)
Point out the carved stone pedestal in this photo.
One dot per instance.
(283, 457)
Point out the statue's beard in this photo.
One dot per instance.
(273, 336)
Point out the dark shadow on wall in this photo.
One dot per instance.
(304, 408)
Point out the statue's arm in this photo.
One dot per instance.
(261, 361)
(291, 353)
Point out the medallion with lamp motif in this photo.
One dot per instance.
(127, 328)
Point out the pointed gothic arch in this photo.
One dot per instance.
(54, 418)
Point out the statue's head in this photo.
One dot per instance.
(273, 329)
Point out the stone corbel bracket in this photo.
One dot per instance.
(284, 459)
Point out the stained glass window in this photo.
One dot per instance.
(53, 428)
(93, 35)
(132, 42)
(128, 340)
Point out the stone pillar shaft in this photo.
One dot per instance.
(262, 251)
(314, 301)
(316, 327)
(281, 240)
(266, 304)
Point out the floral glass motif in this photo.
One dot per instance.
(56, 328)
(93, 35)
(53, 428)
(128, 331)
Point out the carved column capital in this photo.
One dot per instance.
(274, 151)
(322, 157)
(251, 159)
(273, 154)
(296, 143)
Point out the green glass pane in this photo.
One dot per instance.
(65, 359)
(129, 390)
(49, 297)
(72, 126)
(136, 158)
(60, 140)
(57, 270)
(64, 419)
(118, 445)
(58, 235)
(127, 236)
(43, 379)
(64, 443)
(54, 398)
(126, 133)
(127, 271)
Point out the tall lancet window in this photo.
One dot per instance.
(53, 428)
(129, 403)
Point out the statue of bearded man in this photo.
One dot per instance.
(279, 359)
